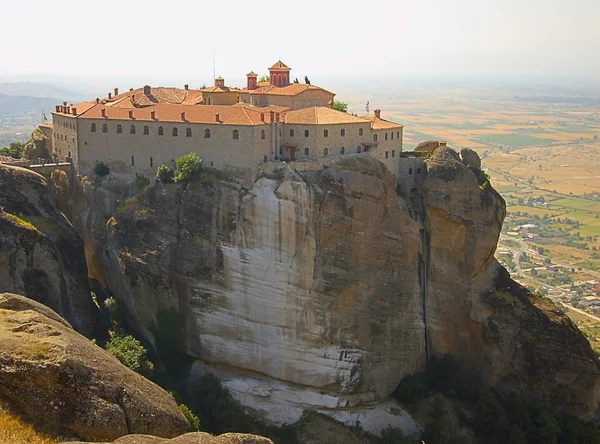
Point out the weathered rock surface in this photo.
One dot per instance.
(41, 255)
(317, 289)
(428, 146)
(470, 158)
(192, 438)
(38, 146)
(57, 376)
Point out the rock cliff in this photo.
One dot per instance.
(193, 438)
(59, 377)
(41, 255)
(321, 286)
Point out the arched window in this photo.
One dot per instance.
(119, 129)
(93, 127)
(146, 130)
(325, 152)
(306, 151)
(360, 131)
(410, 171)
(105, 128)
(343, 132)
(342, 150)
(265, 158)
(207, 134)
(325, 133)
(374, 137)
(175, 132)
(385, 136)
(397, 134)
(132, 161)
(132, 129)
(151, 162)
(236, 135)
(358, 149)
(306, 133)
(263, 135)
(392, 134)
(188, 132)
(161, 131)
(291, 133)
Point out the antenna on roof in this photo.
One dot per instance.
(214, 75)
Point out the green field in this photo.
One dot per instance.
(572, 203)
(513, 139)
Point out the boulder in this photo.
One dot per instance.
(428, 146)
(58, 377)
(470, 158)
(41, 255)
(192, 438)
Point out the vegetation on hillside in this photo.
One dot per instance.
(14, 150)
(15, 429)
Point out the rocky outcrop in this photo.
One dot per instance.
(41, 255)
(316, 289)
(39, 146)
(192, 438)
(57, 376)
(427, 146)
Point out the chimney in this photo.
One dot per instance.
(57, 108)
(74, 111)
(217, 118)
(378, 113)
(183, 116)
(330, 104)
(109, 95)
(116, 92)
(64, 103)
(130, 89)
(262, 117)
(186, 86)
(131, 114)
(153, 115)
(97, 99)
(147, 90)
(103, 112)
(443, 143)
(68, 110)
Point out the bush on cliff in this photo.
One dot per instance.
(14, 150)
(101, 169)
(140, 182)
(188, 167)
(131, 353)
(164, 174)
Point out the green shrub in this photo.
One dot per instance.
(189, 415)
(131, 353)
(164, 174)
(390, 435)
(101, 169)
(14, 150)
(188, 167)
(141, 182)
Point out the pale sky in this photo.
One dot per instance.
(174, 39)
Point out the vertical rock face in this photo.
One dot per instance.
(41, 255)
(320, 288)
(308, 280)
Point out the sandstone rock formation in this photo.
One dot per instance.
(41, 255)
(57, 376)
(470, 158)
(428, 146)
(38, 146)
(192, 438)
(319, 288)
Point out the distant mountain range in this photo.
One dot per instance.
(18, 106)
(41, 90)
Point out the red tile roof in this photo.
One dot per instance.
(293, 89)
(280, 66)
(320, 115)
(230, 115)
(378, 124)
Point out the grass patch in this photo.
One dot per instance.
(20, 222)
(514, 139)
(573, 203)
(15, 430)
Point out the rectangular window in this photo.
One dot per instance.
(306, 133)
(291, 133)
(393, 153)
(325, 133)
(386, 154)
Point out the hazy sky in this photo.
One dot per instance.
(175, 39)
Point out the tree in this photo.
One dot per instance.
(164, 174)
(101, 169)
(296, 80)
(131, 353)
(187, 167)
(14, 150)
(264, 78)
(306, 80)
(340, 106)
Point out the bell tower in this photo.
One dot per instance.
(280, 74)
(251, 76)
